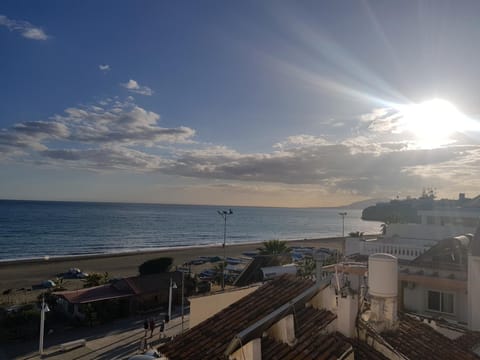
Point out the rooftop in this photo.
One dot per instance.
(417, 340)
(210, 339)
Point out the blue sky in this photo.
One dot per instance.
(275, 103)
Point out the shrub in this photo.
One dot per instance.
(155, 266)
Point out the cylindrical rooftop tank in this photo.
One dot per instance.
(383, 275)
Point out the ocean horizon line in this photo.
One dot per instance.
(176, 204)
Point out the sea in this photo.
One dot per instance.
(47, 229)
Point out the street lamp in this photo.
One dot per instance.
(172, 286)
(224, 214)
(343, 214)
(43, 310)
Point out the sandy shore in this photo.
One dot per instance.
(23, 274)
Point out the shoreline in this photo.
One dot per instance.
(61, 258)
(22, 274)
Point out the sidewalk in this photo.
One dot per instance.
(119, 340)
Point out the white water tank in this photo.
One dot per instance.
(383, 275)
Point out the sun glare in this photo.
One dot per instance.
(432, 122)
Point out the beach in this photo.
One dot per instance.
(21, 275)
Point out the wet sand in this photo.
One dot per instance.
(25, 273)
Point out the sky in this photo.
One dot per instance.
(262, 103)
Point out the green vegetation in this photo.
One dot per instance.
(155, 266)
(20, 324)
(307, 268)
(274, 247)
(95, 279)
(356, 234)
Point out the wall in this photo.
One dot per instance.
(415, 300)
(431, 232)
(203, 307)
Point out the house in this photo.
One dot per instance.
(123, 296)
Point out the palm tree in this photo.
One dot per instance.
(274, 247)
(307, 268)
(383, 228)
(219, 272)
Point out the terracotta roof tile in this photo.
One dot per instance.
(209, 339)
(97, 293)
(363, 351)
(417, 340)
(311, 343)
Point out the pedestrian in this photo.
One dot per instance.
(145, 326)
(162, 329)
(152, 326)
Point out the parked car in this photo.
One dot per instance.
(48, 284)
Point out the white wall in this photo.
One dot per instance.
(415, 300)
(473, 292)
(430, 232)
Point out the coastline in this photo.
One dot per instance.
(24, 273)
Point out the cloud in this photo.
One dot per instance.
(134, 87)
(118, 135)
(113, 125)
(106, 158)
(104, 67)
(26, 29)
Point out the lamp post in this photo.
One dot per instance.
(343, 214)
(42, 324)
(224, 214)
(173, 285)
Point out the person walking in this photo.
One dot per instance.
(162, 329)
(152, 326)
(145, 326)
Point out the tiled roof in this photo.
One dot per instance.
(448, 254)
(417, 340)
(469, 340)
(209, 339)
(363, 351)
(152, 283)
(311, 344)
(97, 293)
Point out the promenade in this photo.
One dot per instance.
(118, 340)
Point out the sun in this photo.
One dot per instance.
(432, 122)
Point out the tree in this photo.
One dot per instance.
(429, 193)
(383, 228)
(274, 247)
(155, 266)
(219, 272)
(307, 268)
(356, 234)
(96, 279)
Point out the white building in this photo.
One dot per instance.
(408, 241)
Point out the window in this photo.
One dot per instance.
(440, 301)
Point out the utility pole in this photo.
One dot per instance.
(183, 297)
(343, 214)
(224, 214)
